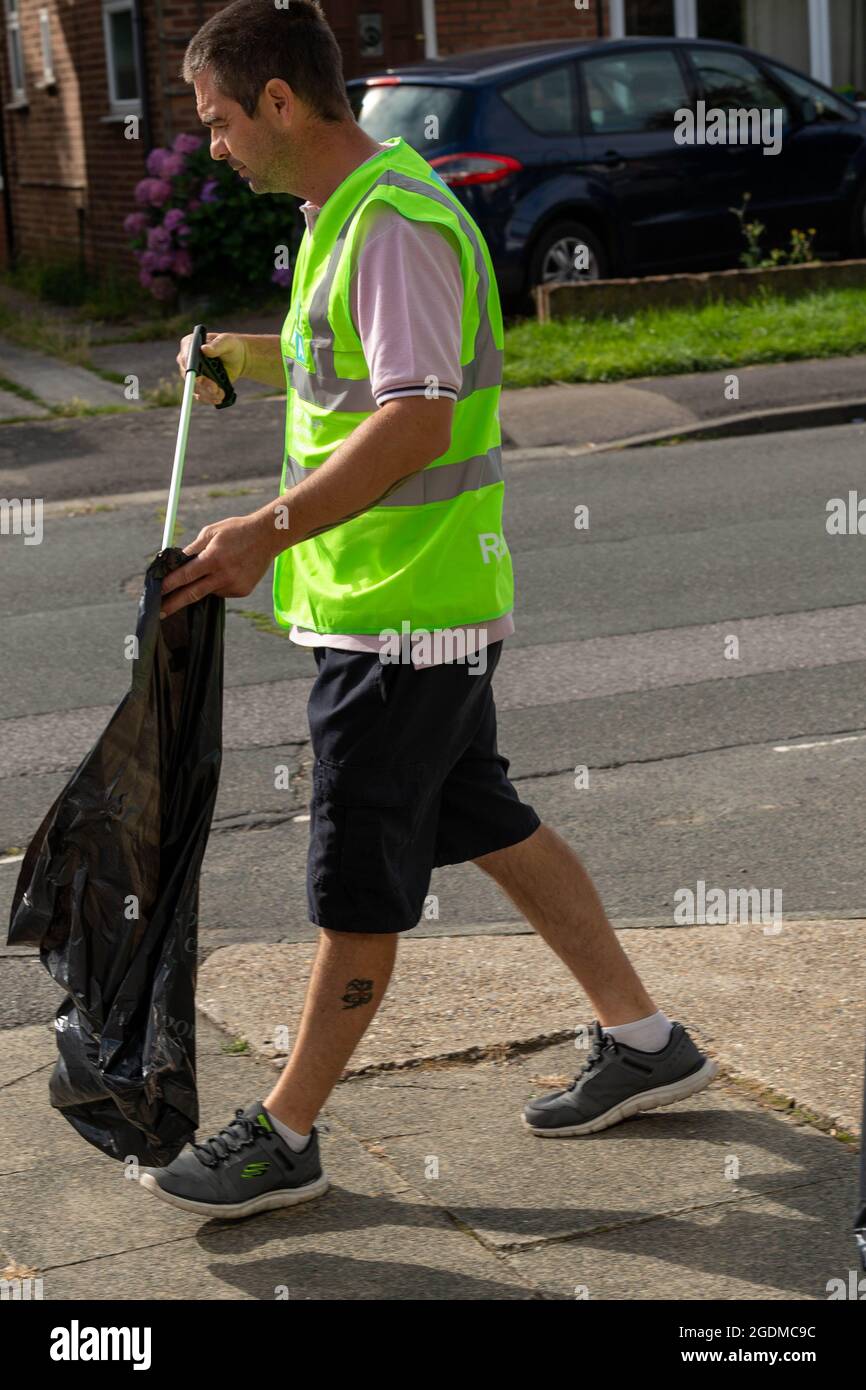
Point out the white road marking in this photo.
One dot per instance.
(12, 859)
(823, 743)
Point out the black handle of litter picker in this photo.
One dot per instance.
(209, 366)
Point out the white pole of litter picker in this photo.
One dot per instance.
(199, 336)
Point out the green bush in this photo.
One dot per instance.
(199, 229)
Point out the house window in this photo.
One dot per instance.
(16, 54)
(121, 52)
(722, 19)
(650, 17)
(48, 78)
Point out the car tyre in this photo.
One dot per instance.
(552, 257)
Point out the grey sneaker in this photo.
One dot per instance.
(245, 1169)
(617, 1082)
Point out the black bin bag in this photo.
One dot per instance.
(108, 889)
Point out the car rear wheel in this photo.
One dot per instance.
(555, 255)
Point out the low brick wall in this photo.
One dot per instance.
(606, 298)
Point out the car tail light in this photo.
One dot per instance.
(383, 81)
(457, 170)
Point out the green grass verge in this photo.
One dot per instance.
(662, 342)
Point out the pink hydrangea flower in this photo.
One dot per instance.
(153, 163)
(186, 144)
(282, 277)
(172, 165)
(173, 219)
(135, 223)
(152, 191)
(158, 239)
(209, 191)
(182, 263)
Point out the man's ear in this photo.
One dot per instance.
(278, 100)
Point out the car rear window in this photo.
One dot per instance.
(545, 101)
(424, 115)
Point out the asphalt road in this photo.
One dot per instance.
(741, 771)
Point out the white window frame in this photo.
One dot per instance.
(48, 77)
(118, 106)
(16, 49)
(686, 27)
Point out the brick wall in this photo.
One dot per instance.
(465, 24)
(71, 171)
(45, 165)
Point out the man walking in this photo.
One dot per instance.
(390, 562)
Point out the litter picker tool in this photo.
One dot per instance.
(196, 365)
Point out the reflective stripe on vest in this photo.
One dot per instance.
(324, 388)
(431, 484)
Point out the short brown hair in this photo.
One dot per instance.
(251, 41)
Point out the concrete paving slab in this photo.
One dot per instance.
(360, 1247)
(577, 414)
(25, 1051)
(783, 1247)
(29, 995)
(154, 363)
(763, 385)
(14, 407)
(760, 1003)
(93, 1234)
(512, 1188)
(55, 381)
(585, 414)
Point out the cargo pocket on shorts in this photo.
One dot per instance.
(362, 821)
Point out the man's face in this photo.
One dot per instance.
(256, 147)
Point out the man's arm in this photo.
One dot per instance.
(263, 358)
(231, 556)
(258, 356)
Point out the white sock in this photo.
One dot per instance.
(646, 1034)
(289, 1136)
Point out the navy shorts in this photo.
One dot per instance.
(406, 777)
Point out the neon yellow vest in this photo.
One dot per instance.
(432, 553)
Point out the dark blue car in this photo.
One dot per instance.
(554, 147)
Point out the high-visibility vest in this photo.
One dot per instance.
(432, 553)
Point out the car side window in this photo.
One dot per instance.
(545, 101)
(730, 82)
(827, 108)
(633, 91)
